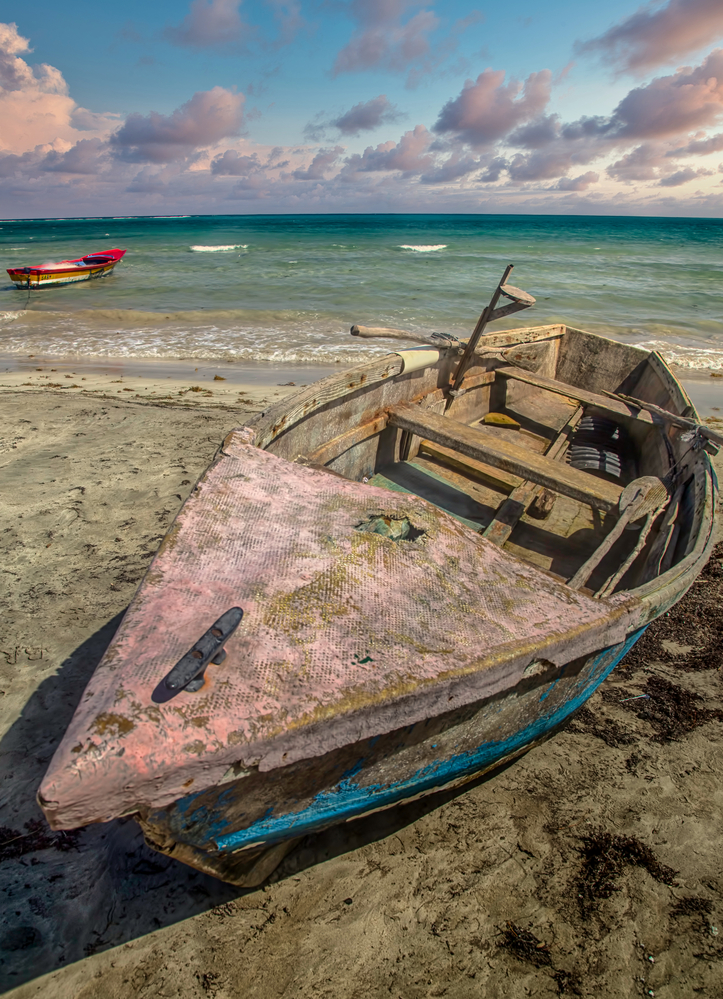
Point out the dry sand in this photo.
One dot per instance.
(590, 867)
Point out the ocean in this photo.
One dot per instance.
(287, 288)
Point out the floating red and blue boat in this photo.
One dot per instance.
(94, 265)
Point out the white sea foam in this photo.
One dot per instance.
(423, 247)
(683, 356)
(220, 249)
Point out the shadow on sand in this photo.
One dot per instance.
(67, 896)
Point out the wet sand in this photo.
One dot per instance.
(590, 867)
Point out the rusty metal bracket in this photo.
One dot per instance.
(188, 672)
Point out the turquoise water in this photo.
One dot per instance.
(287, 288)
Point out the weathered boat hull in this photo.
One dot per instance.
(295, 733)
(229, 829)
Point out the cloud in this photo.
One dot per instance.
(453, 168)
(409, 155)
(649, 117)
(209, 116)
(320, 165)
(489, 108)
(14, 71)
(383, 39)
(641, 163)
(211, 24)
(35, 108)
(650, 38)
(683, 176)
(366, 116)
(580, 183)
(669, 105)
(86, 157)
(233, 164)
(699, 147)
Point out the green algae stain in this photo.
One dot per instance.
(108, 724)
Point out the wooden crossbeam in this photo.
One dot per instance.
(522, 497)
(485, 446)
(616, 407)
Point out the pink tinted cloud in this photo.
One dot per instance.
(35, 107)
(580, 183)
(669, 105)
(209, 116)
(641, 163)
(683, 176)
(651, 38)
(320, 165)
(699, 147)
(88, 156)
(234, 164)
(409, 155)
(383, 39)
(210, 24)
(489, 109)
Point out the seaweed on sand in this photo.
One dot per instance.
(605, 855)
(672, 711)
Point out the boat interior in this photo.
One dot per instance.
(534, 451)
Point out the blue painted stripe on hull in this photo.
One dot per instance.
(349, 799)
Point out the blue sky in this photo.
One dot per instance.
(362, 105)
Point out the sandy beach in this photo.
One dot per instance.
(590, 867)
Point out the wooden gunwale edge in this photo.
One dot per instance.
(290, 411)
(662, 591)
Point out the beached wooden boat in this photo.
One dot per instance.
(93, 265)
(412, 585)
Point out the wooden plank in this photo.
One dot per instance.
(333, 448)
(288, 412)
(485, 446)
(473, 469)
(521, 498)
(614, 406)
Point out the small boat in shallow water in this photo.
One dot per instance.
(93, 265)
(391, 582)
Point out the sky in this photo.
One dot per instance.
(306, 106)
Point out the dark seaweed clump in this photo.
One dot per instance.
(15, 844)
(696, 621)
(525, 945)
(672, 711)
(611, 732)
(605, 855)
(693, 905)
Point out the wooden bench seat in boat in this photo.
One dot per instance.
(486, 446)
(615, 407)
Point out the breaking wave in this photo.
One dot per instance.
(423, 247)
(220, 249)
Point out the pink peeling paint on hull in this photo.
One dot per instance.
(346, 634)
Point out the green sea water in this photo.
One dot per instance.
(286, 289)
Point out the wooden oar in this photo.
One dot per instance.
(610, 584)
(442, 341)
(638, 499)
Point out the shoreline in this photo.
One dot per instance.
(190, 383)
(229, 384)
